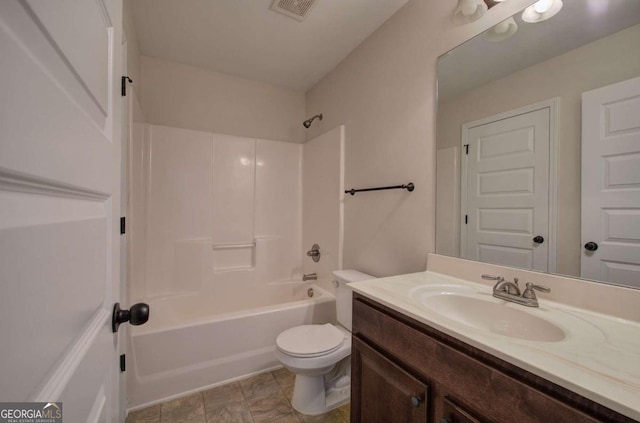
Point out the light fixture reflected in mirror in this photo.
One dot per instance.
(469, 11)
(541, 10)
(502, 31)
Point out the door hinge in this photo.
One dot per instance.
(466, 148)
(466, 219)
(123, 86)
(123, 363)
(123, 224)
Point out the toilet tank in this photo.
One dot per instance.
(344, 294)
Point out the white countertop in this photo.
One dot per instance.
(599, 358)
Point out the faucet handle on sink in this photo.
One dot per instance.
(530, 293)
(498, 279)
(492, 278)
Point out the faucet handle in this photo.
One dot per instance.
(492, 278)
(529, 292)
(314, 253)
(498, 279)
(538, 287)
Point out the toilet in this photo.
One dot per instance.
(319, 355)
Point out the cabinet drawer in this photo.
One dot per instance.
(455, 374)
(453, 413)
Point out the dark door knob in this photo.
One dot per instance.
(590, 246)
(138, 314)
(538, 239)
(416, 401)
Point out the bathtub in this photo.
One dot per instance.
(193, 342)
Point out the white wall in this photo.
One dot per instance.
(136, 225)
(132, 159)
(185, 96)
(603, 62)
(448, 201)
(179, 210)
(216, 209)
(322, 205)
(384, 92)
(133, 50)
(278, 209)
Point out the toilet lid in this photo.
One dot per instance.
(310, 340)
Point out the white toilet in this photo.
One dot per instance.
(319, 355)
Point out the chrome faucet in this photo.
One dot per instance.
(510, 291)
(309, 277)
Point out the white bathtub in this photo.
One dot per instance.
(194, 342)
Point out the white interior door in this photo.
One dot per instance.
(505, 204)
(611, 183)
(59, 203)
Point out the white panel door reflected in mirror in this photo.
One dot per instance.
(586, 46)
(611, 183)
(505, 189)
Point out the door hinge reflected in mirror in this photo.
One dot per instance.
(123, 87)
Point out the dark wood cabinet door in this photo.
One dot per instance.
(382, 392)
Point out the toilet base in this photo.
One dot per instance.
(312, 397)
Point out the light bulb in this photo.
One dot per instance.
(469, 9)
(502, 31)
(543, 6)
(541, 11)
(502, 27)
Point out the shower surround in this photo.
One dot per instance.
(210, 207)
(215, 232)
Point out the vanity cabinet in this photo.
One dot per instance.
(406, 371)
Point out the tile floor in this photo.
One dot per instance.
(260, 399)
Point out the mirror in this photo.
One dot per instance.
(531, 172)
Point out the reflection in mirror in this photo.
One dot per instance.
(538, 144)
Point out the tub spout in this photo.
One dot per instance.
(310, 277)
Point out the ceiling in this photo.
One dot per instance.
(579, 22)
(246, 39)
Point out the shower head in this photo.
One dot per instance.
(307, 123)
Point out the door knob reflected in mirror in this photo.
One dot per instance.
(538, 239)
(591, 246)
(138, 314)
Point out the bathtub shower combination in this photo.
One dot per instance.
(216, 251)
(197, 342)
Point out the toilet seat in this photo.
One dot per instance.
(310, 340)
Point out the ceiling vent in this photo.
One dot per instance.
(296, 9)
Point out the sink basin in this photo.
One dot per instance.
(492, 316)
